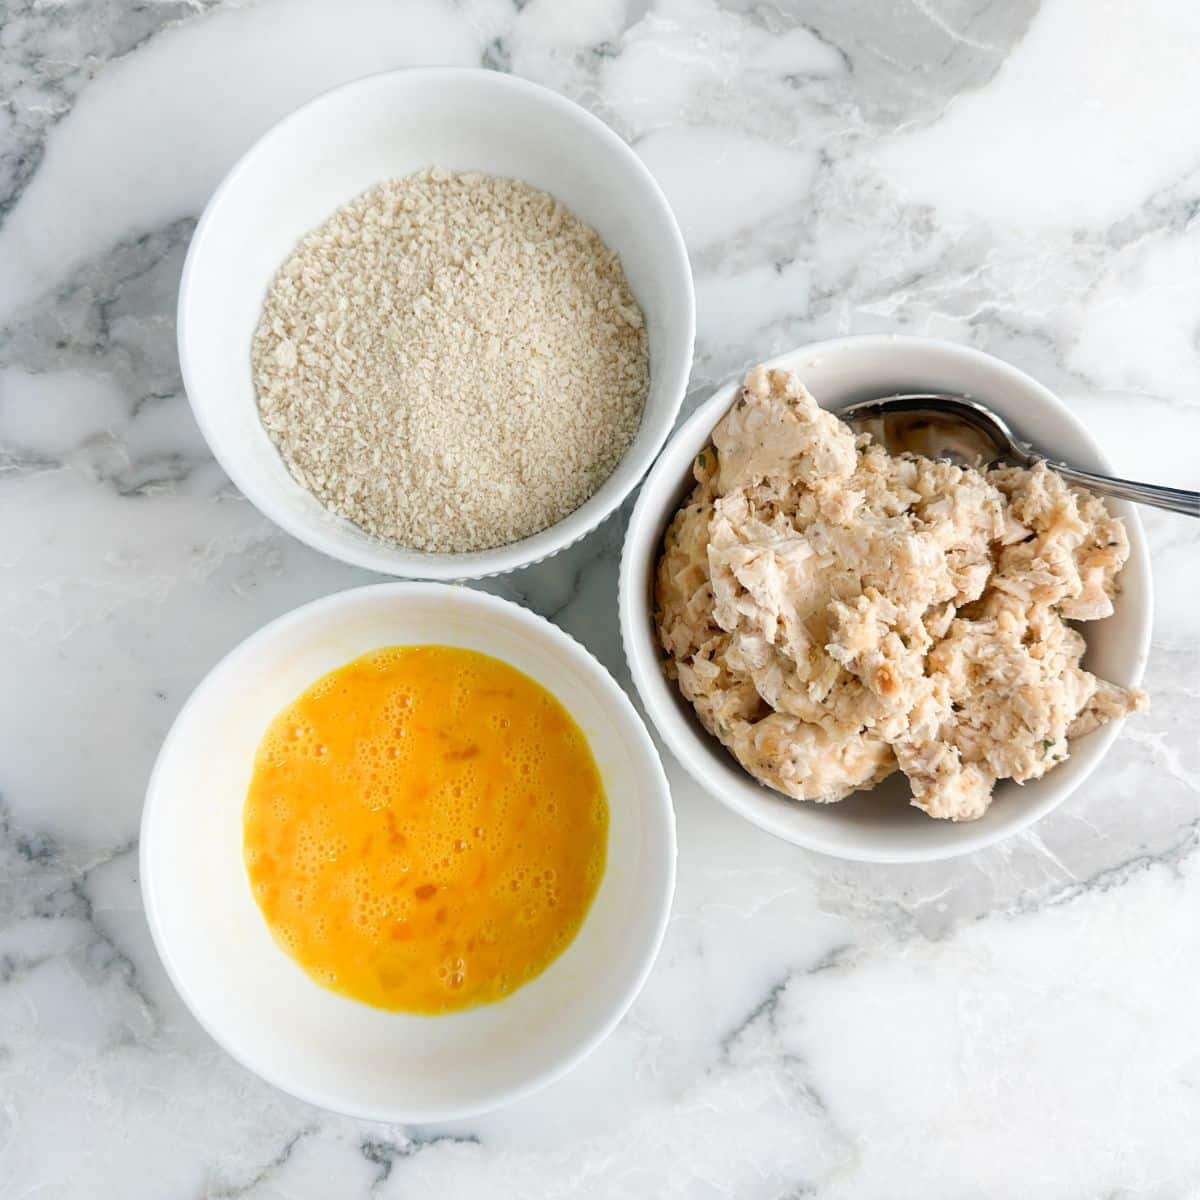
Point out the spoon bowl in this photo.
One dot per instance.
(951, 427)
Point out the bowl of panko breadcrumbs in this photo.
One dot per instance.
(437, 323)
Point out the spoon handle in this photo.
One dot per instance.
(1172, 499)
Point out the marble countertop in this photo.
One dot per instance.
(1022, 178)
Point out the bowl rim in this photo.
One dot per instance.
(398, 561)
(683, 741)
(658, 790)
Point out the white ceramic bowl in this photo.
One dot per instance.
(336, 147)
(878, 826)
(261, 1006)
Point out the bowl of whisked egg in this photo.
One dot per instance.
(408, 852)
(437, 323)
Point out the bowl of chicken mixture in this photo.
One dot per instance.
(836, 613)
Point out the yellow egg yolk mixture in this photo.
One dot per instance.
(425, 829)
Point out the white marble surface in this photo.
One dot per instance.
(1021, 1023)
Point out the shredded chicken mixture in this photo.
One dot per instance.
(835, 612)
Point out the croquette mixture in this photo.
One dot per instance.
(836, 613)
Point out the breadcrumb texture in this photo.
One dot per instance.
(452, 361)
(836, 613)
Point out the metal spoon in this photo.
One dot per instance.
(966, 431)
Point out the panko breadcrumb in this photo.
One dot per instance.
(836, 613)
(452, 361)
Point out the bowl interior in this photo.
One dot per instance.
(879, 825)
(388, 126)
(261, 1006)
